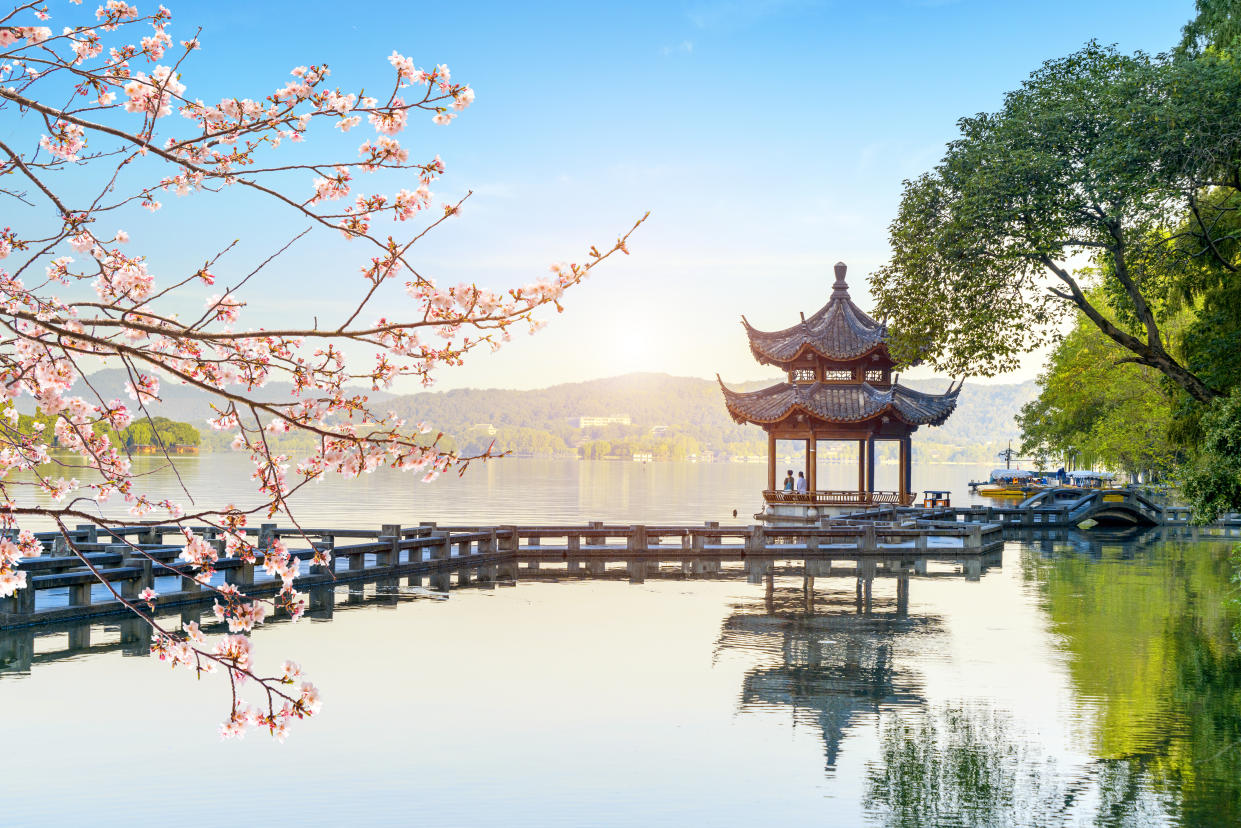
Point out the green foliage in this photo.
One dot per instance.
(140, 433)
(1092, 156)
(1149, 638)
(159, 431)
(1217, 26)
(1117, 415)
(958, 766)
(1212, 484)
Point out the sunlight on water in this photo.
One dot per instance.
(515, 491)
(1088, 680)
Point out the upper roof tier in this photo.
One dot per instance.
(840, 331)
(840, 403)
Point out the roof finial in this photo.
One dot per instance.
(840, 290)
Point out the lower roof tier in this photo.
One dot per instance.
(852, 402)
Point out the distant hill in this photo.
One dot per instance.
(177, 402)
(693, 406)
(691, 410)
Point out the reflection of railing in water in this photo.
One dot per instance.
(23, 647)
(148, 561)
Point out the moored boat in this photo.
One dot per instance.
(1011, 483)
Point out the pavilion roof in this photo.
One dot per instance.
(839, 403)
(839, 331)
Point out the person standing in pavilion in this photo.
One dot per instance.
(801, 482)
(789, 482)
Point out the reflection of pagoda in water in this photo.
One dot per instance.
(831, 664)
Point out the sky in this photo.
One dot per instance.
(767, 138)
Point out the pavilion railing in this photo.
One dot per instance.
(838, 497)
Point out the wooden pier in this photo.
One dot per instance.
(131, 559)
(61, 588)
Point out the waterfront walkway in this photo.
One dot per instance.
(60, 587)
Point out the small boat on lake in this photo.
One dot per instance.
(1010, 483)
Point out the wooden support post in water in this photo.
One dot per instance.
(79, 637)
(79, 594)
(322, 602)
(573, 546)
(532, 543)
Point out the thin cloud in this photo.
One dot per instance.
(685, 47)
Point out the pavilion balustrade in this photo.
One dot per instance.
(834, 497)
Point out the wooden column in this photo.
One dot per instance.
(909, 463)
(771, 461)
(903, 465)
(812, 463)
(861, 465)
(870, 464)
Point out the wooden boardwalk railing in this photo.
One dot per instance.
(130, 559)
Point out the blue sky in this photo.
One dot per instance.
(769, 139)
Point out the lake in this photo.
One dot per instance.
(1088, 680)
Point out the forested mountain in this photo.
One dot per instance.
(690, 410)
(686, 406)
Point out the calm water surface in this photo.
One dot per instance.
(1085, 681)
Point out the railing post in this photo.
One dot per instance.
(867, 542)
(19, 603)
(974, 539)
(130, 557)
(573, 546)
(392, 557)
(79, 595)
(267, 533)
(508, 539)
(328, 543)
(637, 539)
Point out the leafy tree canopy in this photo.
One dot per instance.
(1099, 168)
(1115, 415)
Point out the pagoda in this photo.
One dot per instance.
(840, 387)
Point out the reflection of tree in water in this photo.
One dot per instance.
(826, 661)
(1149, 633)
(968, 765)
(957, 766)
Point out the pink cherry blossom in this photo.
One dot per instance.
(98, 99)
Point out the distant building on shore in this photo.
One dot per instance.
(485, 428)
(593, 422)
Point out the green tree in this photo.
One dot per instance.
(1118, 415)
(1213, 483)
(1099, 156)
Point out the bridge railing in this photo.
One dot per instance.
(61, 584)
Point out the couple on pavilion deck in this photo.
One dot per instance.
(799, 485)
